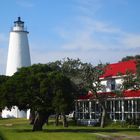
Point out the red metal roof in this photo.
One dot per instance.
(132, 93)
(128, 93)
(87, 96)
(120, 67)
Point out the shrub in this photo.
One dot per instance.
(123, 124)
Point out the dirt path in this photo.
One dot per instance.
(117, 136)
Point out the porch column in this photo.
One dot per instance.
(114, 109)
(90, 110)
(83, 106)
(136, 110)
(111, 108)
(129, 110)
(119, 110)
(122, 110)
(76, 102)
(132, 103)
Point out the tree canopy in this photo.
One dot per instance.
(51, 88)
(39, 88)
(126, 58)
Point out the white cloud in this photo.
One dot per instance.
(3, 52)
(3, 56)
(82, 41)
(95, 25)
(131, 40)
(94, 57)
(103, 27)
(3, 38)
(93, 42)
(92, 35)
(97, 40)
(88, 7)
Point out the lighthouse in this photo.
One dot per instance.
(18, 56)
(18, 53)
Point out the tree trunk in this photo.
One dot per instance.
(39, 121)
(47, 121)
(102, 104)
(65, 123)
(32, 117)
(103, 116)
(57, 119)
(0, 113)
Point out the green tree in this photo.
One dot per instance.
(131, 80)
(92, 81)
(86, 77)
(127, 58)
(63, 99)
(73, 69)
(36, 88)
(3, 79)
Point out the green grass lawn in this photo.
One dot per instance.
(19, 129)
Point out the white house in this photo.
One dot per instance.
(87, 110)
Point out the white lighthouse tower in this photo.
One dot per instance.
(18, 56)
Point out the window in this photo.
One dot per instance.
(111, 84)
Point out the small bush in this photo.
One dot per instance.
(133, 121)
(123, 124)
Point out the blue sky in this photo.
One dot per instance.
(92, 30)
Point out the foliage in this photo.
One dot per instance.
(123, 124)
(86, 77)
(83, 75)
(71, 68)
(131, 80)
(92, 81)
(39, 88)
(3, 79)
(49, 88)
(91, 76)
(136, 57)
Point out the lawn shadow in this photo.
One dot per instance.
(98, 130)
(2, 137)
(79, 130)
(23, 130)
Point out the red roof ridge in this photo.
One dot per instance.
(131, 60)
